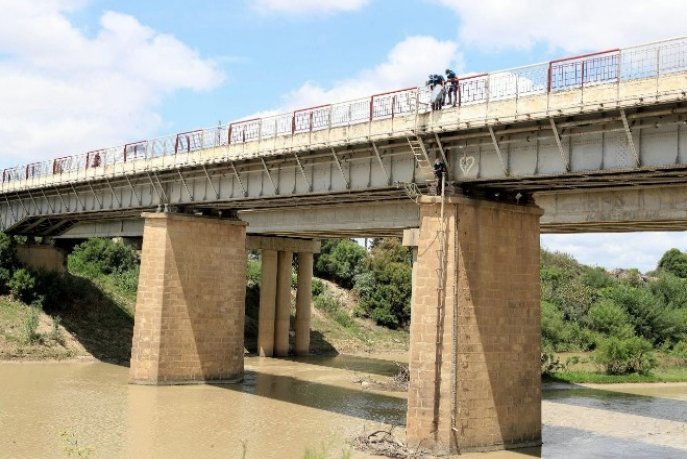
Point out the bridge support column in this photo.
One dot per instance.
(283, 310)
(475, 327)
(190, 304)
(268, 297)
(303, 303)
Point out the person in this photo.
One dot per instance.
(452, 81)
(436, 86)
(439, 174)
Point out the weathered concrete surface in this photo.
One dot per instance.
(608, 209)
(619, 209)
(304, 303)
(43, 257)
(474, 345)
(190, 303)
(282, 244)
(268, 301)
(282, 320)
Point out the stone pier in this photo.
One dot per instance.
(475, 327)
(190, 304)
(274, 317)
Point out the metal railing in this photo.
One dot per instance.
(651, 60)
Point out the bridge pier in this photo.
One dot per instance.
(274, 316)
(475, 327)
(190, 303)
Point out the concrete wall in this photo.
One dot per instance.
(190, 303)
(43, 257)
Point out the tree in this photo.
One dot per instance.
(340, 260)
(675, 262)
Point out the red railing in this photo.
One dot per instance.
(567, 73)
(573, 72)
(391, 103)
(186, 142)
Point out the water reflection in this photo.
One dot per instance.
(285, 406)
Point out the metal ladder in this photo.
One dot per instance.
(417, 146)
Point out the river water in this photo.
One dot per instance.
(287, 406)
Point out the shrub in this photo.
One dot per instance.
(128, 280)
(625, 355)
(675, 262)
(328, 302)
(102, 256)
(8, 254)
(253, 273)
(22, 285)
(388, 303)
(608, 318)
(318, 287)
(340, 260)
(550, 364)
(30, 325)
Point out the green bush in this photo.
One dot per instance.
(8, 261)
(675, 262)
(253, 273)
(318, 287)
(328, 302)
(625, 355)
(29, 334)
(610, 319)
(22, 285)
(550, 364)
(339, 260)
(102, 256)
(128, 280)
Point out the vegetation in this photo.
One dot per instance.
(632, 323)
(88, 310)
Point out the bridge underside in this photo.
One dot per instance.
(624, 209)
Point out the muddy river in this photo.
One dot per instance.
(285, 407)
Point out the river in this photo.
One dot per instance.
(287, 406)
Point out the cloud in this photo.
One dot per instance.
(63, 92)
(617, 250)
(566, 25)
(407, 64)
(303, 7)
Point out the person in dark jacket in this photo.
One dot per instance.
(439, 174)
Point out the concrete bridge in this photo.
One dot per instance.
(596, 142)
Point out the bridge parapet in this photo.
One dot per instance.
(618, 77)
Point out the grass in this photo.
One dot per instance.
(583, 370)
(20, 336)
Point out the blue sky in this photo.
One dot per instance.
(76, 75)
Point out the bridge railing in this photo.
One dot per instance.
(575, 73)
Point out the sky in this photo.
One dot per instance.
(77, 75)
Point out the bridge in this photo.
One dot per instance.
(595, 142)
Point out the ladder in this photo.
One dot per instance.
(417, 146)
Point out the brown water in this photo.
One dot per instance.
(285, 406)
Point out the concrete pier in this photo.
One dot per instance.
(268, 299)
(475, 327)
(190, 303)
(282, 321)
(303, 303)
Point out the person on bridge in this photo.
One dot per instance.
(440, 175)
(452, 81)
(436, 85)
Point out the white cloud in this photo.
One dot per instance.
(63, 92)
(617, 250)
(300, 7)
(565, 24)
(407, 64)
